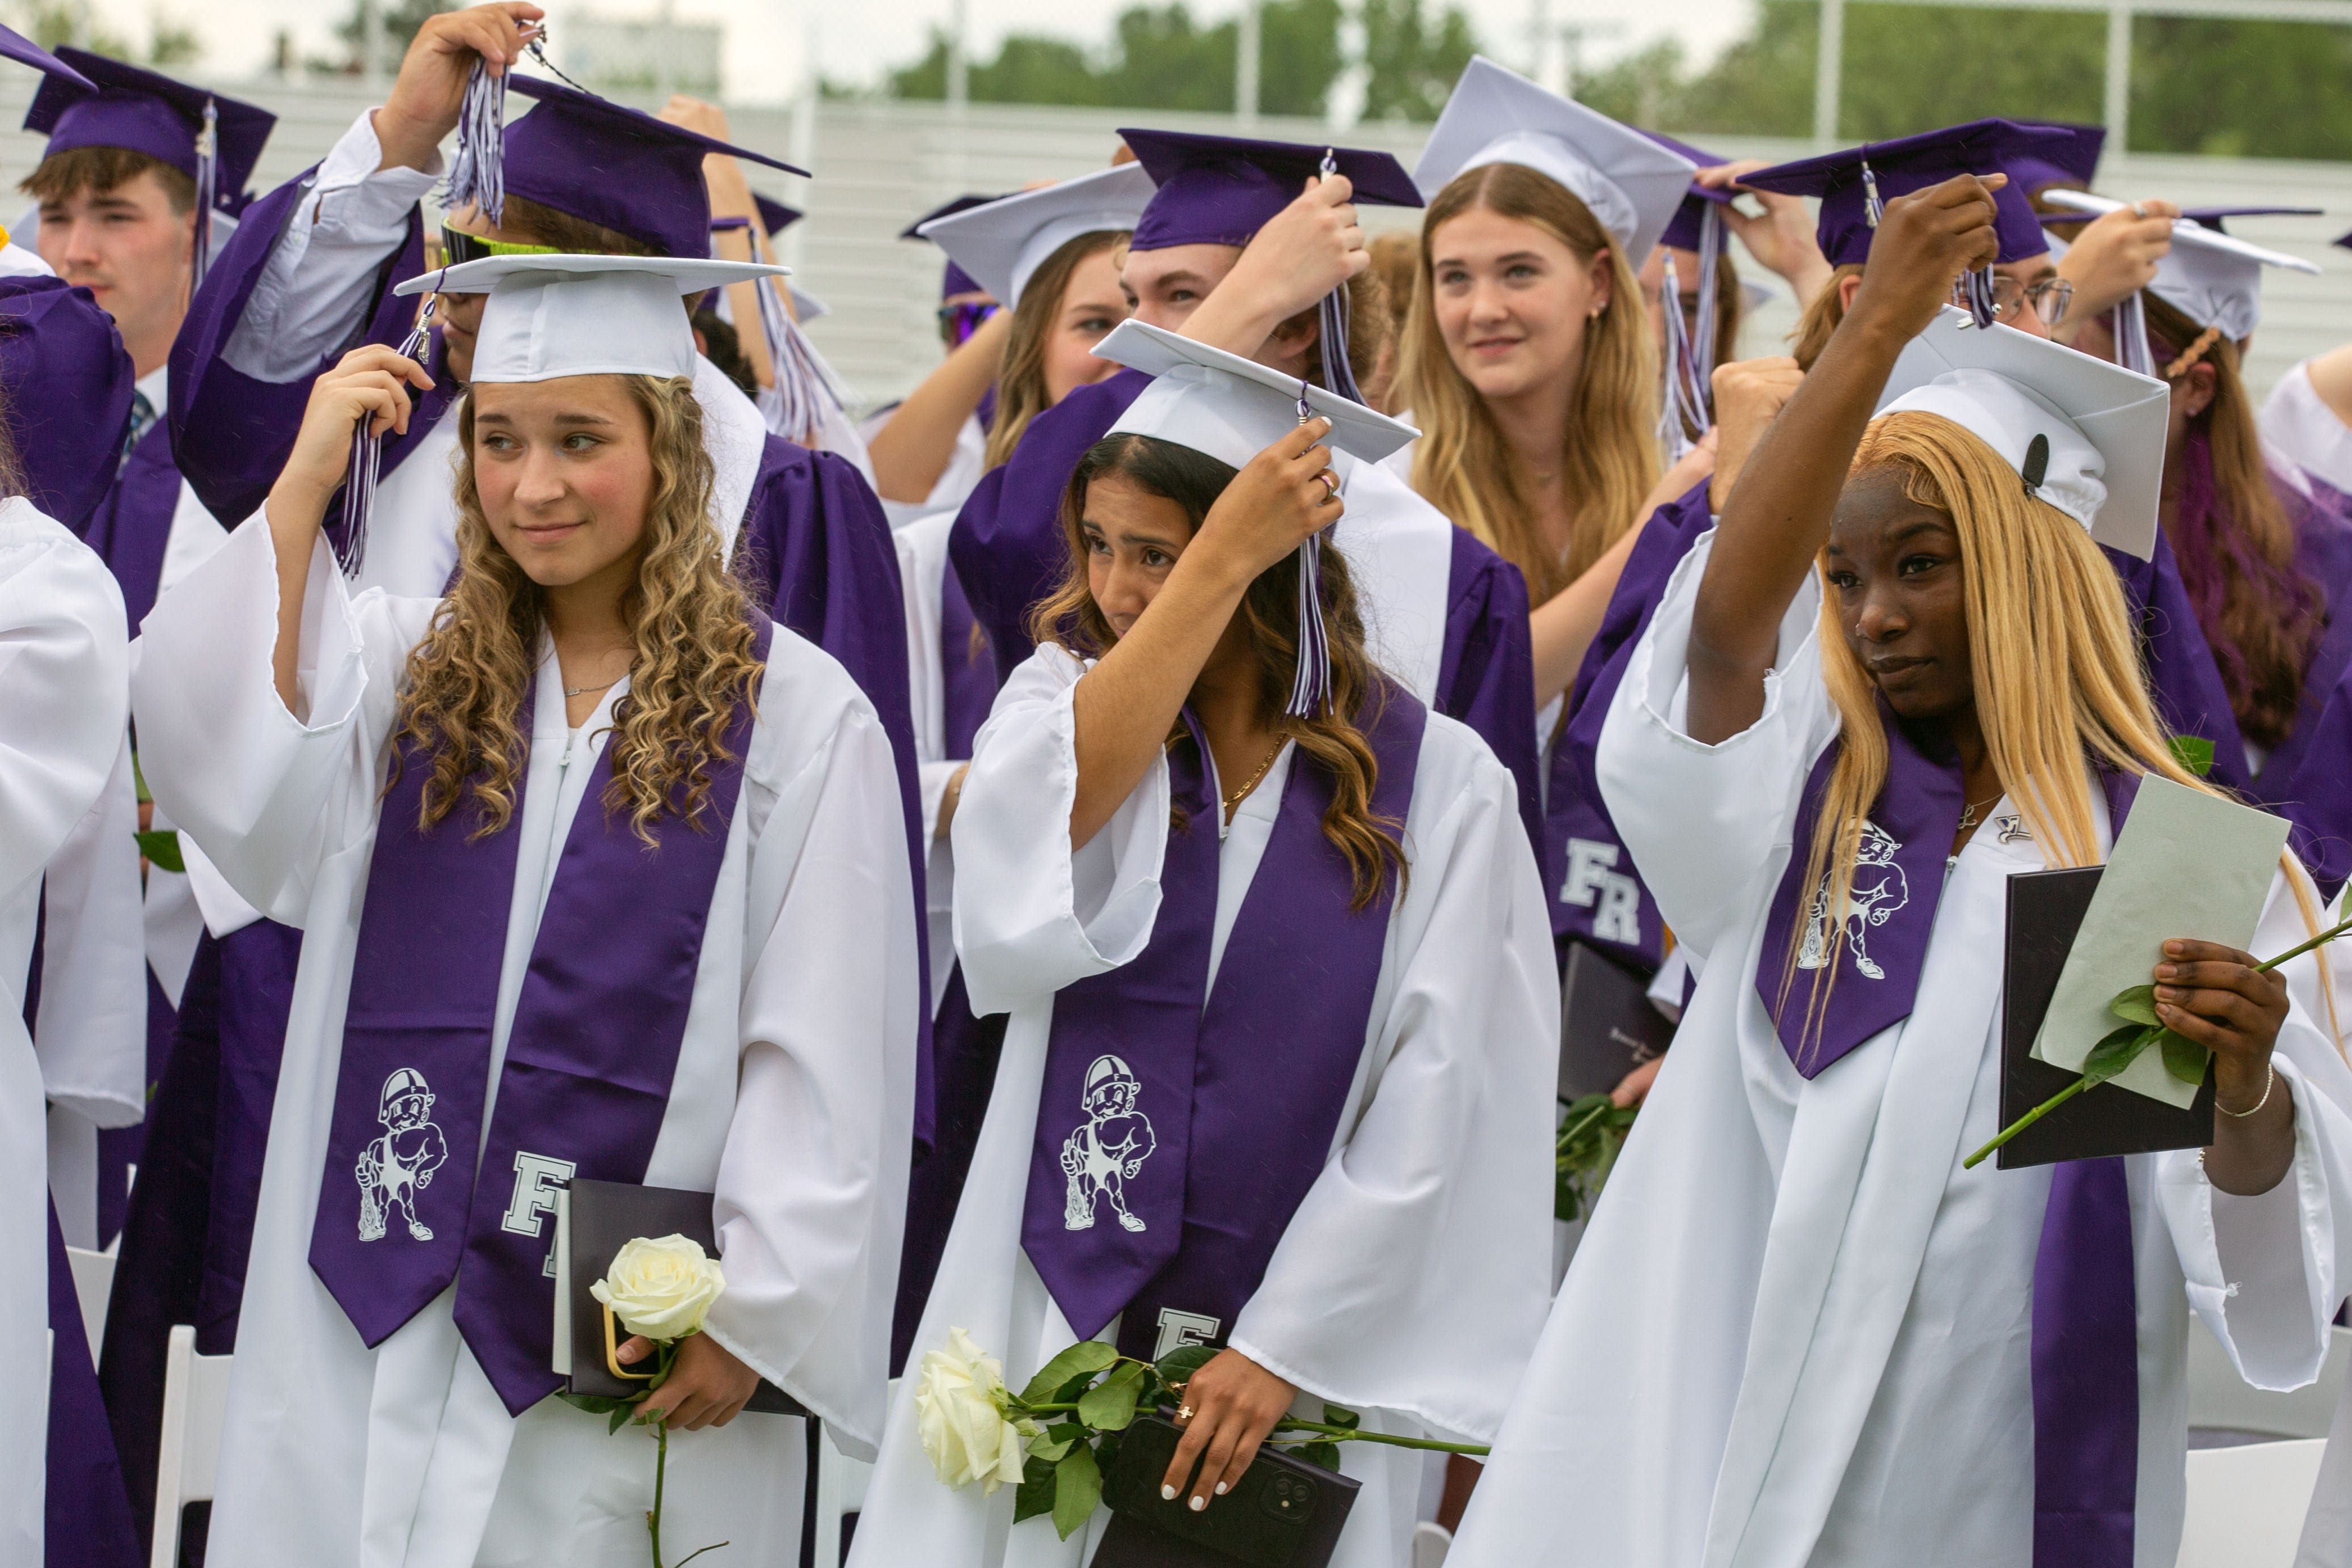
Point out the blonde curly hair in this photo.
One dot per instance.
(462, 693)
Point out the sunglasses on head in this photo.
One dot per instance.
(459, 246)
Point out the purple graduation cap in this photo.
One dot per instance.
(1855, 183)
(14, 46)
(2074, 159)
(955, 280)
(1220, 190)
(65, 394)
(774, 216)
(599, 161)
(1698, 227)
(89, 101)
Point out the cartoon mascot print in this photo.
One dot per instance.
(1106, 1150)
(1880, 889)
(394, 1168)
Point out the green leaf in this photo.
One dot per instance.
(619, 1419)
(1340, 1416)
(2193, 752)
(2118, 1050)
(161, 846)
(1110, 1405)
(2184, 1058)
(2136, 1003)
(595, 1404)
(1077, 1487)
(1082, 1360)
(1324, 1454)
(1035, 1495)
(1176, 1367)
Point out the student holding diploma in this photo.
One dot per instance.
(601, 875)
(1799, 1333)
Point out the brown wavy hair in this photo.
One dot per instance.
(2233, 531)
(1021, 390)
(462, 694)
(1071, 620)
(1462, 463)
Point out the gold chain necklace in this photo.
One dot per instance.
(1238, 796)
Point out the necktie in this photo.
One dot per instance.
(142, 416)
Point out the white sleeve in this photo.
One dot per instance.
(810, 1190)
(90, 1036)
(2265, 1272)
(65, 662)
(1031, 916)
(1416, 1273)
(314, 290)
(1702, 822)
(270, 795)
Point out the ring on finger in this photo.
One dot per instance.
(2137, 210)
(1331, 485)
(1185, 1412)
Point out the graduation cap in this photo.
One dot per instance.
(774, 216)
(955, 279)
(2084, 435)
(1634, 183)
(615, 166)
(2212, 277)
(1233, 409)
(1698, 227)
(144, 111)
(554, 315)
(14, 46)
(1683, 230)
(1854, 184)
(2216, 218)
(1220, 190)
(2073, 159)
(1001, 244)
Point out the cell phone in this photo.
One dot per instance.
(1282, 1513)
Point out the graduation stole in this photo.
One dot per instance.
(403, 1210)
(1175, 1140)
(2086, 1306)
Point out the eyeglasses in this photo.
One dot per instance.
(2048, 298)
(959, 322)
(459, 246)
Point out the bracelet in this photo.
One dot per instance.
(2270, 1082)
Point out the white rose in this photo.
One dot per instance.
(661, 1288)
(960, 1417)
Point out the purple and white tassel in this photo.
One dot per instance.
(359, 487)
(2132, 351)
(1338, 375)
(1979, 286)
(478, 174)
(804, 384)
(1311, 687)
(207, 188)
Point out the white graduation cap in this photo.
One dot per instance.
(2085, 436)
(1497, 116)
(551, 316)
(1232, 408)
(2213, 278)
(1002, 243)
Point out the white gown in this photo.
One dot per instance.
(793, 1100)
(1797, 1335)
(64, 700)
(2295, 422)
(1412, 1279)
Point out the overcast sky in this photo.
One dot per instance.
(857, 40)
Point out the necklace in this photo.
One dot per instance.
(578, 691)
(1238, 796)
(1968, 813)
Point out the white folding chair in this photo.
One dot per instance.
(1431, 1542)
(195, 1402)
(93, 1278)
(2218, 1399)
(2246, 1503)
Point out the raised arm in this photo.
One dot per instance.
(1778, 518)
(371, 381)
(422, 108)
(913, 449)
(1125, 705)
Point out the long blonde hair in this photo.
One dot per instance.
(1070, 618)
(1021, 390)
(462, 694)
(2055, 669)
(1463, 464)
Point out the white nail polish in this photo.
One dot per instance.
(1166, 1493)
(1199, 1503)
(1222, 1488)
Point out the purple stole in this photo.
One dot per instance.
(86, 1516)
(2085, 1309)
(1175, 1140)
(968, 673)
(590, 1057)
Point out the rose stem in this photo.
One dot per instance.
(2027, 1120)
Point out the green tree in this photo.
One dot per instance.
(2270, 90)
(1414, 59)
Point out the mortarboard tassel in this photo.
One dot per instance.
(1310, 688)
(1688, 408)
(1873, 209)
(1979, 286)
(359, 487)
(2132, 351)
(805, 383)
(207, 188)
(1338, 375)
(478, 174)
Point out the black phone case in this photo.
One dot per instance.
(1283, 1512)
(2046, 911)
(603, 1216)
